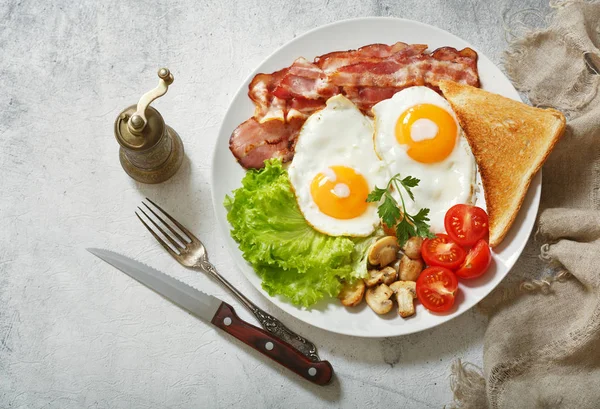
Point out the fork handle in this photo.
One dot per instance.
(276, 327)
(267, 321)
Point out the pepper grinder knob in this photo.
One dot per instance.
(165, 75)
(151, 151)
(138, 120)
(137, 123)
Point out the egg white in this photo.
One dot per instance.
(442, 184)
(337, 135)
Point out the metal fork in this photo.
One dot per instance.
(191, 253)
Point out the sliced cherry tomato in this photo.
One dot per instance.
(465, 224)
(436, 288)
(477, 261)
(442, 251)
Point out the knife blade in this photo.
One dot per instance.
(220, 314)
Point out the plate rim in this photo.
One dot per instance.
(224, 226)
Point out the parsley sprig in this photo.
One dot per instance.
(392, 214)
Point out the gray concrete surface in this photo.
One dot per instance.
(76, 334)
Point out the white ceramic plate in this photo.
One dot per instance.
(227, 174)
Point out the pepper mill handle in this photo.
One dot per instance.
(138, 121)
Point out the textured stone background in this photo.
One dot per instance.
(75, 333)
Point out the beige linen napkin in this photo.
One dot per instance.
(542, 345)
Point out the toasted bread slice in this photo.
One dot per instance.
(510, 141)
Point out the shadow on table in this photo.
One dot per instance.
(330, 392)
(444, 342)
(178, 196)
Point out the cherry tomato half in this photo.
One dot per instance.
(436, 288)
(477, 261)
(443, 252)
(465, 224)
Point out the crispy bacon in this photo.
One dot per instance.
(300, 108)
(368, 75)
(260, 91)
(452, 54)
(372, 53)
(423, 69)
(411, 50)
(304, 79)
(366, 97)
(253, 142)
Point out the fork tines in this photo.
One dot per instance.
(170, 238)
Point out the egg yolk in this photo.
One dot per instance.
(429, 131)
(340, 192)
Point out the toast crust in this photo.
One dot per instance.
(510, 141)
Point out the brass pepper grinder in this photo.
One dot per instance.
(151, 151)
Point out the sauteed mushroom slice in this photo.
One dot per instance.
(378, 298)
(406, 292)
(390, 274)
(384, 251)
(352, 294)
(386, 275)
(412, 248)
(410, 269)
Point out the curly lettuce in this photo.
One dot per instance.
(292, 259)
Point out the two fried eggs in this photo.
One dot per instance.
(342, 155)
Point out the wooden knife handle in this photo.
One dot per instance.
(276, 349)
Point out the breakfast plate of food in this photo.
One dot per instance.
(378, 176)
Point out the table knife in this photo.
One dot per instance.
(221, 315)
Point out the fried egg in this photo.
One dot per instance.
(417, 134)
(334, 169)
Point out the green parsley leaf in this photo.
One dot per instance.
(389, 211)
(394, 214)
(404, 231)
(421, 222)
(421, 216)
(376, 194)
(408, 183)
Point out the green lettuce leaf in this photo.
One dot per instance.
(293, 259)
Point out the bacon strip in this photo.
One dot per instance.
(300, 108)
(260, 91)
(252, 142)
(365, 97)
(373, 53)
(424, 69)
(304, 79)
